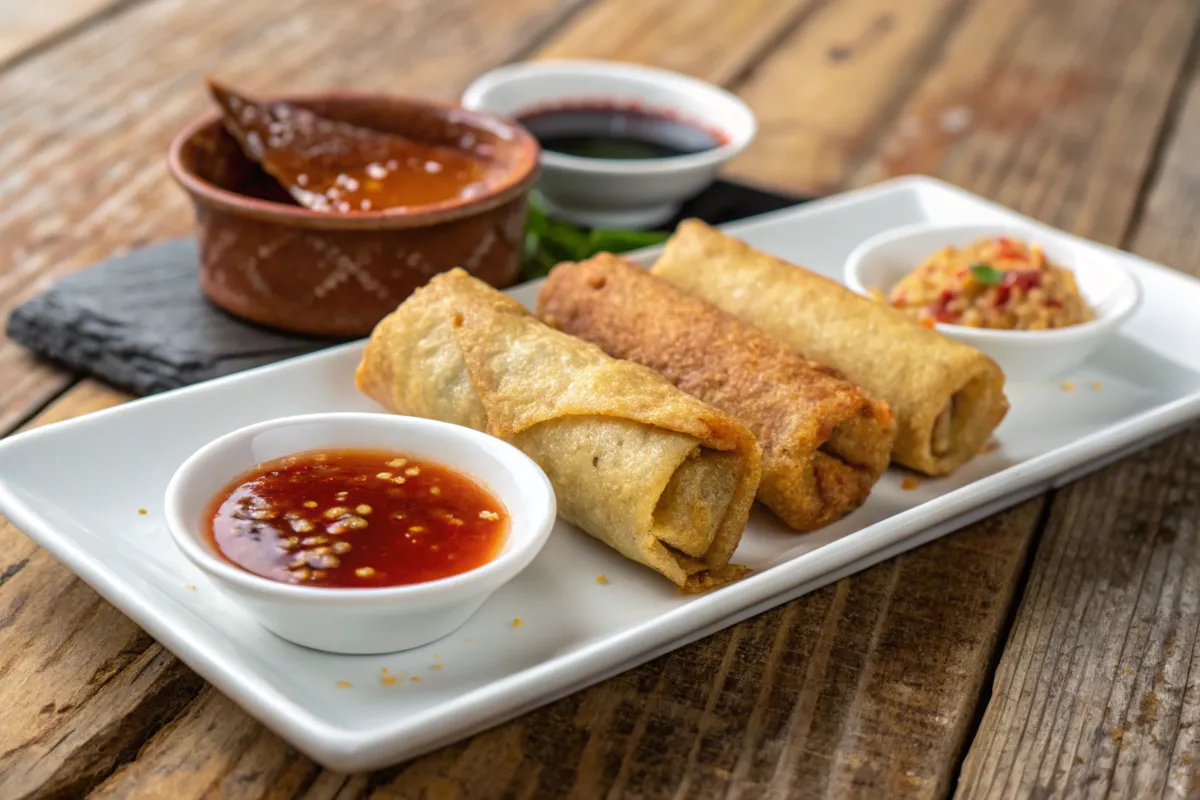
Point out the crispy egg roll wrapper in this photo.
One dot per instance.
(825, 442)
(656, 474)
(947, 397)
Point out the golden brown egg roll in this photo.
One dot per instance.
(656, 474)
(825, 442)
(947, 397)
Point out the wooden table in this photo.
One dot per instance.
(1048, 651)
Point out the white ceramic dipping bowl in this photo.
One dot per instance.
(1025, 356)
(373, 620)
(624, 193)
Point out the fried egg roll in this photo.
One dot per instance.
(825, 442)
(947, 397)
(656, 474)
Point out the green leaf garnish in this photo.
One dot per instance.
(987, 274)
(550, 241)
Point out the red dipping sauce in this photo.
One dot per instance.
(356, 519)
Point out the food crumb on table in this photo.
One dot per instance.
(1068, 386)
(517, 623)
(344, 684)
(908, 484)
(387, 678)
(601, 579)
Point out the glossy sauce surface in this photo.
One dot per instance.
(618, 132)
(332, 166)
(356, 519)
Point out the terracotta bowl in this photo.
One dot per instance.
(270, 261)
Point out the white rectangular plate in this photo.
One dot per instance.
(76, 488)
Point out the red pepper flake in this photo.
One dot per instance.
(908, 484)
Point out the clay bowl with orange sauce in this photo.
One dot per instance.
(269, 260)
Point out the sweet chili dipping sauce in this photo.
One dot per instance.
(356, 519)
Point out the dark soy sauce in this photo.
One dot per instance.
(617, 132)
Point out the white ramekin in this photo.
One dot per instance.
(374, 620)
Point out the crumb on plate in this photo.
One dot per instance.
(387, 678)
(601, 579)
(143, 511)
(191, 587)
(344, 684)
(415, 679)
(1068, 386)
(1097, 386)
(517, 623)
(439, 666)
(908, 484)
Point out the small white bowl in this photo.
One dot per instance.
(625, 193)
(883, 260)
(376, 620)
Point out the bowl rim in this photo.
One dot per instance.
(517, 181)
(473, 98)
(486, 577)
(1130, 293)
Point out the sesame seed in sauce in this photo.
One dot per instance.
(435, 490)
(416, 529)
(397, 462)
(341, 548)
(310, 503)
(335, 512)
(492, 515)
(301, 525)
(362, 509)
(310, 541)
(290, 543)
(384, 476)
(302, 574)
(364, 572)
(355, 523)
(412, 472)
(398, 479)
(324, 561)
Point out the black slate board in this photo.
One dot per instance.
(140, 322)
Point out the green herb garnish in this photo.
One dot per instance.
(551, 241)
(987, 274)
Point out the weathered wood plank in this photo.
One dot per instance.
(30, 25)
(83, 152)
(823, 94)
(1098, 692)
(1050, 108)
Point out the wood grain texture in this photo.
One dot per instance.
(83, 151)
(1098, 691)
(822, 95)
(27, 26)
